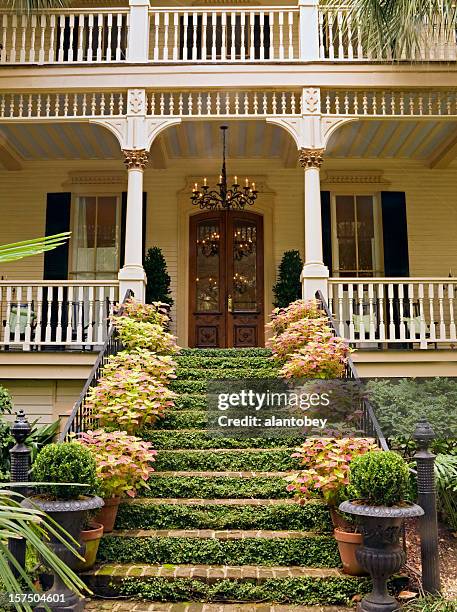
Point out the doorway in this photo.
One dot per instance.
(226, 294)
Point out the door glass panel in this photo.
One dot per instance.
(208, 265)
(244, 265)
(345, 229)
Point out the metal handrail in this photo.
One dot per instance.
(78, 418)
(369, 423)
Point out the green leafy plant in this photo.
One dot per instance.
(158, 280)
(27, 248)
(288, 286)
(320, 358)
(297, 334)
(326, 464)
(432, 603)
(128, 399)
(446, 483)
(144, 313)
(124, 463)
(281, 318)
(138, 336)
(159, 367)
(66, 462)
(6, 402)
(380, 479)
(36, 528)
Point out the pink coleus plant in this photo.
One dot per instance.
(298, 334)
(124, 463)
(144, 313)
(323, 357)
(140, 335)
(281, 318)
(160, 367)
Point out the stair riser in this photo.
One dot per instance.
(208, 373)
(226, 353)
(223, 362)
(216, 488)
(261, 461)
(311, 517)
(199, 440)
(331, 591)
(310, 551)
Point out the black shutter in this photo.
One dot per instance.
(123, 222)
(57, 221)
(326, 229)
(395, 233)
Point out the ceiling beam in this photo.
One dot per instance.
(444, 154)
(9, 157)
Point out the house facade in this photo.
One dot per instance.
(110, 117)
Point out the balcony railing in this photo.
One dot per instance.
(48, 314)
(409, 312)
(143, 34)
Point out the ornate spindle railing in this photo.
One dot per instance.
(80, 418)
(368, 422)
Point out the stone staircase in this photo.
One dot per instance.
(217, 525)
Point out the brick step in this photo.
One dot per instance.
(223, 547)
(232, 352)
(132, 605)
(206, 583)
(227, 459)
(175, 439)
(223, 514)
(220, 485)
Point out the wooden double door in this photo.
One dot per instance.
(226, 280)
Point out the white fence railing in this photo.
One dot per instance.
(69, 314)
(411, 311)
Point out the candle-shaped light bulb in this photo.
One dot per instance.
(205, 182)
(196, 187)
(220, 178)
(247, 182)
(253, 186)
(236, 180)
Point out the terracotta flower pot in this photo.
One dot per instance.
(348, 544)
(107, 514)
(90, 539)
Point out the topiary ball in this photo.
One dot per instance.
(66, 462)
(380, 478)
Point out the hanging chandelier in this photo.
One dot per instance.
(224, 198)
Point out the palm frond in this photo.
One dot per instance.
(28, 6)
(27, 248)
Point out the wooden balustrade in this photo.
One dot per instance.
(70, 314)
(410, 311)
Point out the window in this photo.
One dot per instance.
(96, 238)
(356, 228)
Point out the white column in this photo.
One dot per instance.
(138, 34)
(315, 274)
(309, 30)
(132, 275)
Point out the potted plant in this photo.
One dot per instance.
(382, 482)
(67, 505)
(123, 464)
(326, 476)
(91, 535)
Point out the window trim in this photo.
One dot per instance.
(76, 197)
(378, 231)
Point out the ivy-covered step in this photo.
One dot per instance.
(198, 361)
(218, 485)
(209, 583)
(189, 401)
(222, 459)
(237, 353)
(223, 514)
(224, 547)
(202, 439)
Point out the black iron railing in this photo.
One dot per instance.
(368, 422)
(81, 418)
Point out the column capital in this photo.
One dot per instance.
(135, 159)
(311, 158)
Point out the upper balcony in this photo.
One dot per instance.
(144, 34)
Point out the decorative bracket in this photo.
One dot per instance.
(136, 132)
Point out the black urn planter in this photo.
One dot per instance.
(381, 554)
(70, 515)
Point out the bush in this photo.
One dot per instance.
(318, 359)
(158, 280)
(123, 462)
(139, 336)
(298, 334)
(446, 484)
(6, 403)
(281, 318)
(160, 367)
(66, 462)
(128, 399)
(380, 478)
(326, 463)
(431, 603)
(144, 313)
(288, 286)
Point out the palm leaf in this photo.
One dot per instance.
(28, 6)
(27, 248)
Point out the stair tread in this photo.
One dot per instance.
(189, 501)
(131, 605)
(215, 534)
(214, 571)
(227, 474)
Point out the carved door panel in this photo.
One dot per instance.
(226, 280)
